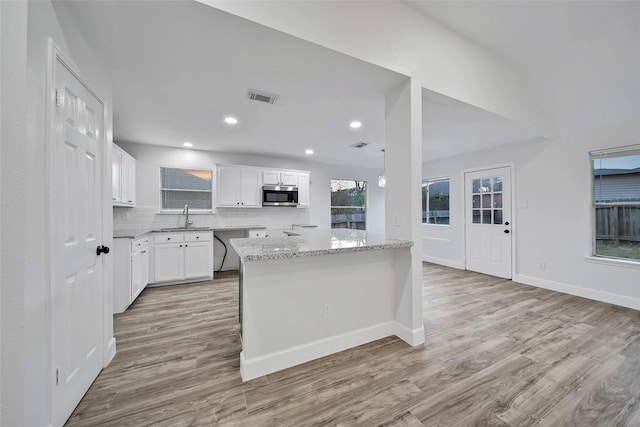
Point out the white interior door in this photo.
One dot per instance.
(76, 288)
(488, 224)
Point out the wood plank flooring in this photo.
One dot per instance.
(497, 353)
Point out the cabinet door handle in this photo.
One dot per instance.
(168, 238)
(180, 245)
(186, 246)
(197, 237)
(143, 252)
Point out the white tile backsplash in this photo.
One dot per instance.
(147, 217)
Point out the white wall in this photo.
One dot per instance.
(150, 157)
(13, 175)
(554, 178)
(26, 207)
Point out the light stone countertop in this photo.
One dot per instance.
(314, 242)
(134, 234)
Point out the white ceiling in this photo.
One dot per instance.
(179, 67)
(580, 58)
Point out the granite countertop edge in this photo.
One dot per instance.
(300, 254)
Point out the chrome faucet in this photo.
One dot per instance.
(185, 212)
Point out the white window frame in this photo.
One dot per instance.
(594, 155)
(425, 183)
(195, 211)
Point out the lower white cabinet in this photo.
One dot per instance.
(130, 271)
(182, 257)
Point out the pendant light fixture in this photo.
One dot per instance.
(382, 181)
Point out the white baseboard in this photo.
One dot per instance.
(412, 337)
(111, 351)
(263, 365)
(593, 294)
(446, 262)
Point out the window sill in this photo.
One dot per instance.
(436, 225)
(191, 212)
(613, 262)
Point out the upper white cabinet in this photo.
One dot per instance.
(241, 186)
(304, 190)
(238, 187)
(272, 177)
(123, 178)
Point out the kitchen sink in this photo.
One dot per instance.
(185, 229)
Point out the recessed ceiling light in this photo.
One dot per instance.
(308, 151)
(355, 124)
(231, 120)
(187, 144)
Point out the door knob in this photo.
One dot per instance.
(506, 231)
(102, 250)
(506, 223)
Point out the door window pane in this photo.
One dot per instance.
(497, 200)
(486, 185)
(476, 216)
(486, 216)
(475, 201)
(475, 186)
(497, 216)
(497, 183)
(486, 201)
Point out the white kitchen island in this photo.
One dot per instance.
(320, 292)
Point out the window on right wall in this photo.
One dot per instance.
(616, 203)
(435, 201)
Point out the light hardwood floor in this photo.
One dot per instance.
(496, 353)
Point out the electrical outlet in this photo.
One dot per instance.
(326, 310)
(541, 265)
(396, 219)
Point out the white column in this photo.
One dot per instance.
(403, 202)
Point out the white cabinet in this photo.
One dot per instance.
(304, 195)
(182, 257)
(238, 187)
(123, 178)
(272, 177)
(168, 262)
(256, 233)
(131, 271)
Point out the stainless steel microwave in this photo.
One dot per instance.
(279, 195)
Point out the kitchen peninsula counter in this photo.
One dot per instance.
(318, 292)
(304, 243)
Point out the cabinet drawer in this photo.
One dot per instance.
(168, 238)
(139, 244)
(257, 233)
(198, 237)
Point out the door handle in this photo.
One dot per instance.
(506, 231)
(506, 223)
(102, 250)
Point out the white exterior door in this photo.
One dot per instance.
(488, 221)
(76, 269)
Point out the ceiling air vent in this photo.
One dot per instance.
(258, 95)
(360, 144)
